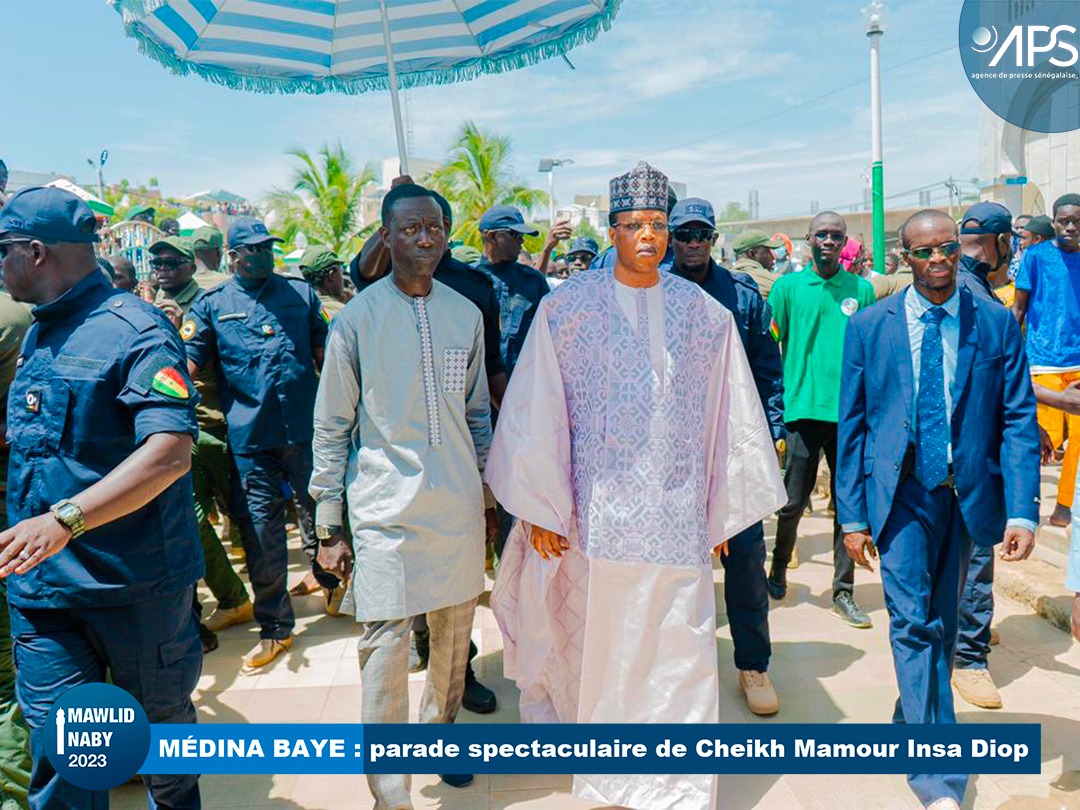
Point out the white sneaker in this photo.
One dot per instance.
(977, 687)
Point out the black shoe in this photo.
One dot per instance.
(208, 638)
(477, 698)
(776, 585)
(419, 648)
(847, 610)
(458, 780)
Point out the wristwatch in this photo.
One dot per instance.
(70, 515)
(326, 532)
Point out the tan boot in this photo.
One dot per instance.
(229, 617)
(760, 696)
(267, 650)
(334, 598)
(977, 688)
(995, 637)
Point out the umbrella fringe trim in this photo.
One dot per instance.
(133, 10)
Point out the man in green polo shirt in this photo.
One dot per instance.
(173, 259)
(811, 309)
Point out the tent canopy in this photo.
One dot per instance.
(97, 205)
(219, 195)
(189, 223)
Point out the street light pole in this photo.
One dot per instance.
(551, 194)
(100, 164)
(549, 165)
(874, 30)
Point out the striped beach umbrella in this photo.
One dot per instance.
(356, 46)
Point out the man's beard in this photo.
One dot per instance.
(697, 268)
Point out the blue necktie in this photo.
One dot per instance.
(931, 454)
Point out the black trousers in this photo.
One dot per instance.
(807, 439)
(747, 599)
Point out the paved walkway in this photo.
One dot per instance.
(824, 671)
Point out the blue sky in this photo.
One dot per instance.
(723, 96)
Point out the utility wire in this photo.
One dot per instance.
(779, 114)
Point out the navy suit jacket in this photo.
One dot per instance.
(995, 437)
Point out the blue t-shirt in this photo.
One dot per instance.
(1052, 279)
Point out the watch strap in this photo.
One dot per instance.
(70, 515)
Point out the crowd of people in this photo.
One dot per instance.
(596, 437)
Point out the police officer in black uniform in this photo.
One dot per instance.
(693, 228)
(103, 551)
(264, 334)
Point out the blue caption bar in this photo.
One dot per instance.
(309, 748)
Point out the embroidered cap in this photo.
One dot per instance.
(692, 209)
(249, 231)
(48, 214)
(642, 188)
(583, 244)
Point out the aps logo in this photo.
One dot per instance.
(1028, 42)
(1022, 58)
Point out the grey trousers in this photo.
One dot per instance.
(384, 676)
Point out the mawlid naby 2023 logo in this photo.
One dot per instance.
(1022, 58)
(97, 736)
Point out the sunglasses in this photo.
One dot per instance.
(693, 234)
(924, 253)
(637, 227)
(261, 247)
(836, 236)
(167, 264)
(5, 246)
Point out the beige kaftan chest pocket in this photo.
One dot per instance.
(455, 370)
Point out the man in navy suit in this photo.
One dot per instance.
(937, 445)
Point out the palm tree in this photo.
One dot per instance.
(476, 176)
(325, 200)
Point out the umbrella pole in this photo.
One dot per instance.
(391, 72)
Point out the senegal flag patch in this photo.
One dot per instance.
(774, 330)
(170, 383)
